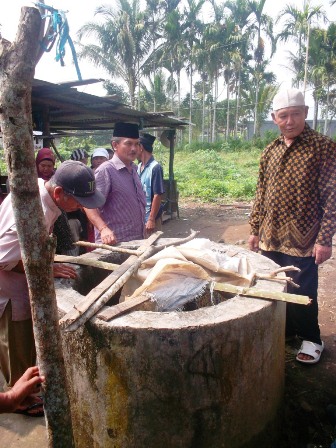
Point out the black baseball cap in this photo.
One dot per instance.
(78, 180)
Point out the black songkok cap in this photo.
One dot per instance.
(126, 130)
(147, 141)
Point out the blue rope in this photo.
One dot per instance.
(59, 26)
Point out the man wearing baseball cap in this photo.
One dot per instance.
(122, 218)
(71, 187)
(293, 218)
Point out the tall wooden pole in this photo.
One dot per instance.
(17, 67)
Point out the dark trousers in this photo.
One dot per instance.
(301, 320)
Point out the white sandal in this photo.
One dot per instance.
(311, 349)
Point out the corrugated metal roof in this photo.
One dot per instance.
(71, 110)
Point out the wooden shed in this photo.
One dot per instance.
(61, 110)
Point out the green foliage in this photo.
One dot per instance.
(262, 142)
(213, 175)
(3, 166)
(69, 144)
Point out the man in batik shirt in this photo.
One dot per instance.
(293, 218)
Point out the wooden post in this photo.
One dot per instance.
(17, 67)
(172, 194)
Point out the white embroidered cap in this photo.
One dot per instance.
(100, 152)
(288, 98)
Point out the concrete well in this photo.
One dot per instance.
(208, 378)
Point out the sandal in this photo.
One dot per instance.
(311, 349)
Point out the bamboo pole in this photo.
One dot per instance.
(82, 312)
(86, 262)
(129, 305)
(124, 250)
(107, 247)
(261, 294)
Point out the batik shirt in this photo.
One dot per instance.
(295, 205)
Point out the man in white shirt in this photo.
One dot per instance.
(70, 188)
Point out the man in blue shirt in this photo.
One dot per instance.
(151, 176)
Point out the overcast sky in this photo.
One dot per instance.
(78, 14)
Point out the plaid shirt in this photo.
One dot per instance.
(295, 204)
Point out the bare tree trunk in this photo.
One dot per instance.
(37, 248)
(256, 118)
(315, 116)
(228, 111)
(325, 131)
(203, 108)
(237, 104)
(214, 119)
(190, 103)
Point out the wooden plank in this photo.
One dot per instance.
(86, 306)
(86, 262)
(121, 308)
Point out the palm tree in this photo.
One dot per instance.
(123, 43)
(263, 24)
(202, 59)
(158, 92)
(192, 30)
(241, 16)
(297, 26)
(173, 50)
(153, 22)
(267, 92)
(321, 68)
(329, 47)
(222, 42)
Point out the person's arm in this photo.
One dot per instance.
(253, 243)
(327, 192)
(28, 384)
(155, 207)
(157, 192)
(107, 234)
(59, 270)
(321, 253)
(254, 220)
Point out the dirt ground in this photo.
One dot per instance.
(309, 389)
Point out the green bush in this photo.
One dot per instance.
(212, 176)
(208, 174)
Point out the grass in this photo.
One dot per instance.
(212, 175)
(224, 171)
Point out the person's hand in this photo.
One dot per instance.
(150, 226)
(28, 384)
(64, 271)
(321, 253)
(107, 236)
(253, 243)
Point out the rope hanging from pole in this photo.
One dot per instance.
(58, 29)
